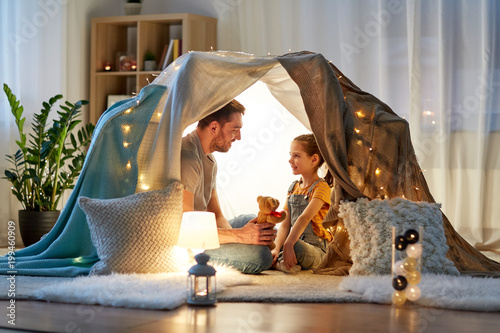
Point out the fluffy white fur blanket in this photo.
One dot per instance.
(146, 291)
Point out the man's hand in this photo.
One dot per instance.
(257, 233)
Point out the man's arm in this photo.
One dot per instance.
(214, 207)
(187, 201)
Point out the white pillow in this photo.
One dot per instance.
(369, 224)
(137, 233)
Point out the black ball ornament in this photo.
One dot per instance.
(411, 236)
(400, 243)
(399, 283)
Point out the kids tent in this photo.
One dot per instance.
(355, 131)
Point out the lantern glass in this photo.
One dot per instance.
(201, 290)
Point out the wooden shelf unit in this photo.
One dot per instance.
(136, 34)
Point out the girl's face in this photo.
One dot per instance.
(300, 161)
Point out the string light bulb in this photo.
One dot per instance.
(129, 165)
(377, 171)
(126, 144)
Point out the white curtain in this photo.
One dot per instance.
(436, 63)
(45, 49)
(30, 64)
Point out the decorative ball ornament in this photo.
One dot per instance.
(398, 297)
(410, 264)
(401, 243)
(414, 250)
(411, 236)
(413, 293)
(398, 268)
(399, 283)
(414, 277)
(406, 269)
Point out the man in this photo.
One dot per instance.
(243, 242)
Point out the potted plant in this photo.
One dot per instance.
(149, 61)
(133, 7)
(47, 164)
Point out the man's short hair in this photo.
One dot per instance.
(223, 115)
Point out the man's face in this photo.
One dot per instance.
(227, 134)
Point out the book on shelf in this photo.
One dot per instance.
(171, 52)
(162, 59)
(176, 49)
(169, 55)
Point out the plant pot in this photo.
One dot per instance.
(149, 65)
(33, 224)
(133, 8)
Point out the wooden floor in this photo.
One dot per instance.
(34, 316)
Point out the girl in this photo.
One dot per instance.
(302, 234)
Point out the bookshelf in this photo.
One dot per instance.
(112, 37)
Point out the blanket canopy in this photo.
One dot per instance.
(366, 146)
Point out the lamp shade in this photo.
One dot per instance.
(198, 231)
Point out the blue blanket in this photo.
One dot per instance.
(67, 250)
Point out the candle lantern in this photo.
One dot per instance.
(201, 282)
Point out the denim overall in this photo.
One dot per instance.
(297, 203)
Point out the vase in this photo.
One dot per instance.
(133, 8)
(149, 65)
(34, 224)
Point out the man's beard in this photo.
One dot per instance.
(219, 144)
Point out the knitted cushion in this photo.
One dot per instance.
(369, 224)
(137, 233)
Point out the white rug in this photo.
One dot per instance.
(168, 291)
(440, 291)
(146, 291)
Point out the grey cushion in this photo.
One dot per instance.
(137, 233)
(369, 224)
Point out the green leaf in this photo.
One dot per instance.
(10, 175)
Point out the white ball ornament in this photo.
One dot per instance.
(414, 250)
(412, 293)
(398, 268)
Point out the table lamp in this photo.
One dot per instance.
(199, 231)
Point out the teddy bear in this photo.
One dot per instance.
(268, 213)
